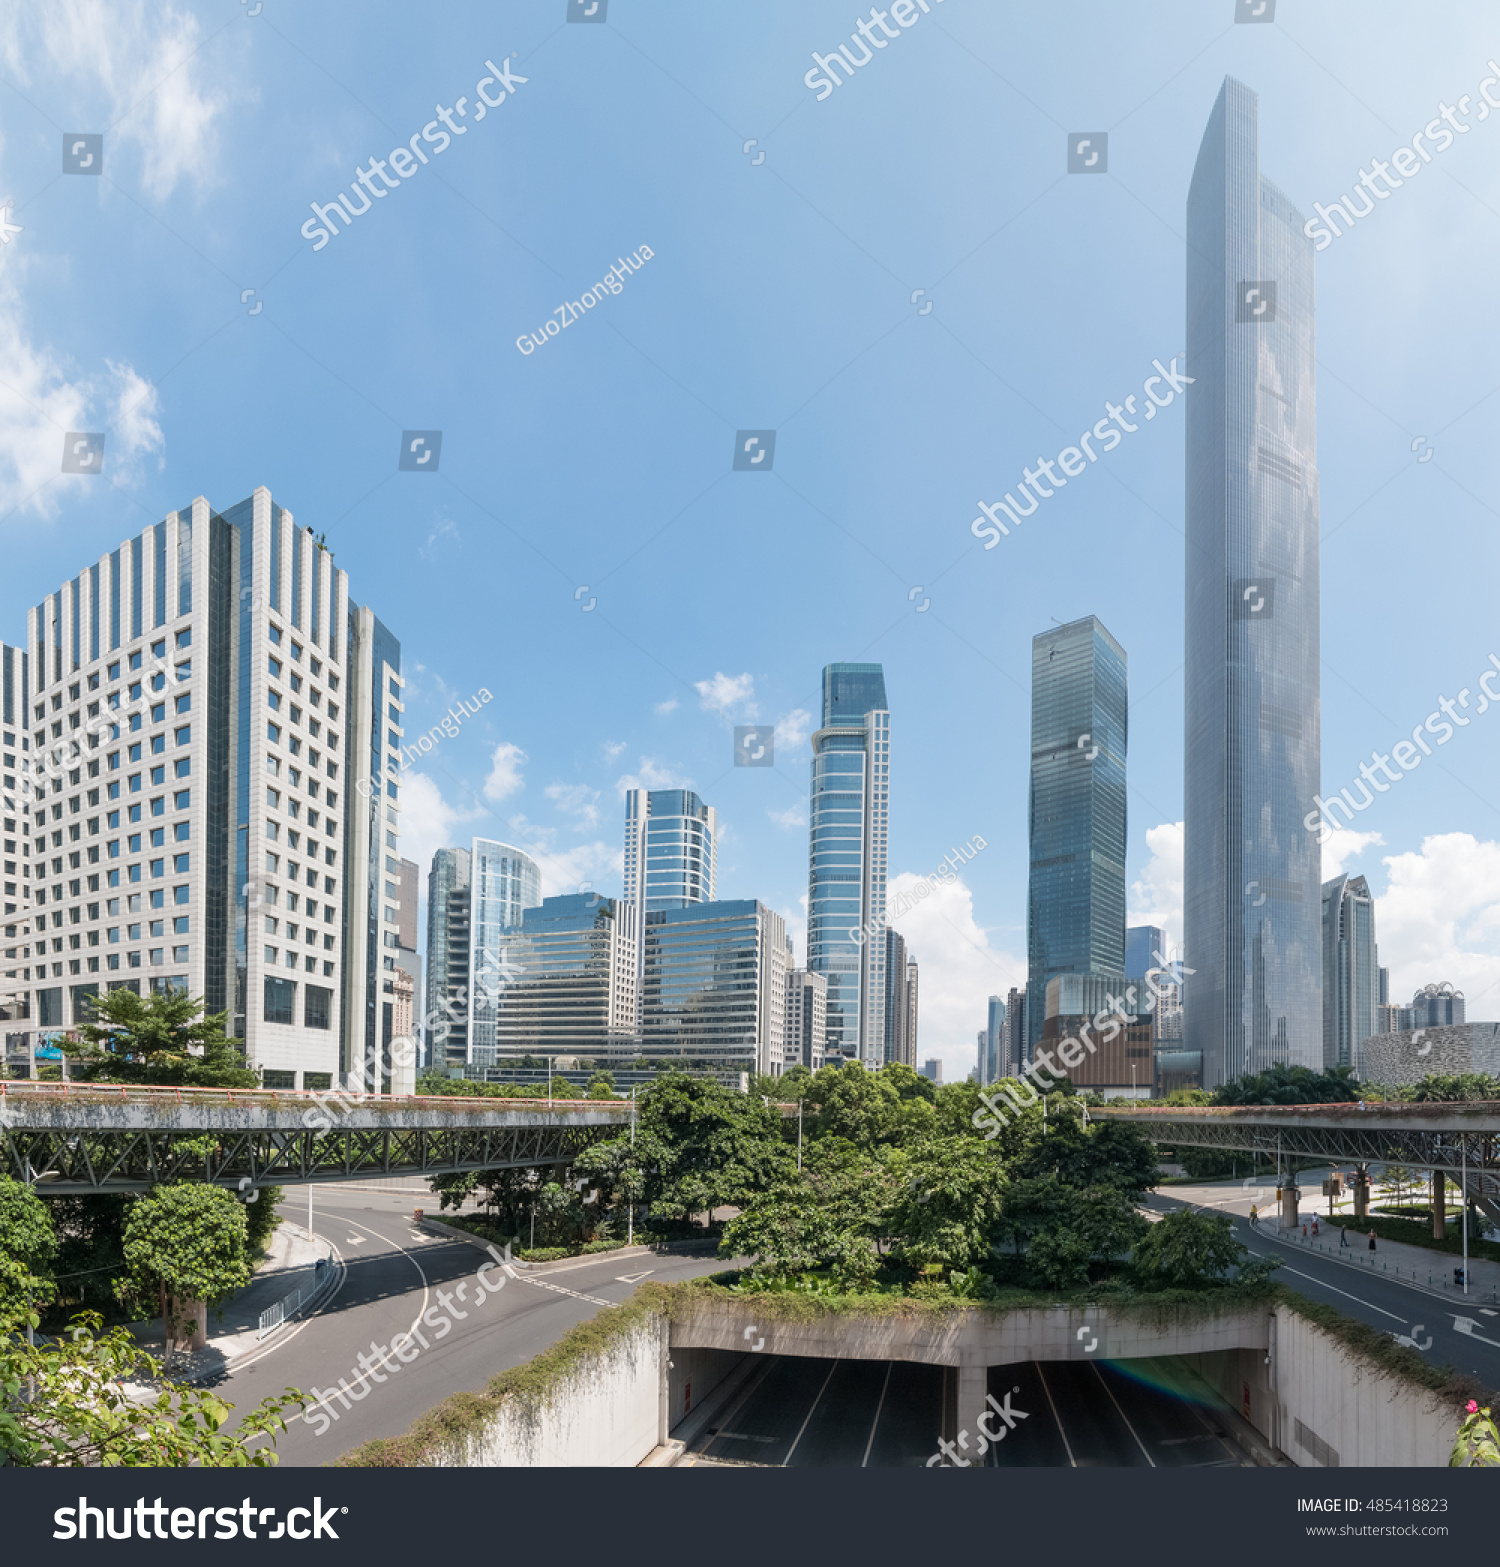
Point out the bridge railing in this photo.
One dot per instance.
(270, 1098)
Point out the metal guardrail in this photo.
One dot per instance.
(270, 1098)
(273, 1316)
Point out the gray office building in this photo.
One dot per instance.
(1076, 907)
(1351, 969)
(1145, 948)
(1251, 869)
(992, 1043)
(447, 1037)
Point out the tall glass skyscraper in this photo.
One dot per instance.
(848, 827)
(1251, 870)
(1351, 969)
(1079, 720)
(671, 850)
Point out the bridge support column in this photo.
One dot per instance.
(1289, 1195)
(1439, 1206)
(1361, 1187)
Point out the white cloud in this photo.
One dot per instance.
(1440, 920)
(958, 970)
(133, 66)
(792, 729)
(792, 816)
(442, 532)
(429, 822)
(652, 774)
(1345, 844)
(1156, 898)
(505, 772)
(663, 709)
(577, 801)
(42, 398)
(612, 749)
(731, 695)
(595, 866)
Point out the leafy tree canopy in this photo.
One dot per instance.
(162, 1038)
(1291, 1085)
(28, 1246)
(1459, 1086)
(1190, 1250)
(184, 1242)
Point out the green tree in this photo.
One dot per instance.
(1059, 1259)
(28, 1247)
(183, 1243)
(1436, 1088)
(786, 1231)
(1108, 1153)
(1189, 1250)
(63, 1405)
(948, 1211)
(162, 1038)
(1291, 1085)
(602, 1085)
(867, 1107)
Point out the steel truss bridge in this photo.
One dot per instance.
(68, 1139)
(1459, 1140)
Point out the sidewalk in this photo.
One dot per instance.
(1428, 1270)
(290, 1265)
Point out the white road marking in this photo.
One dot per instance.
(865, 1462)
(1123, 1416)
(818, 1400)
(633, 1278)
(1067, 1445)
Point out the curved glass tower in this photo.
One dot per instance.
(1251, 870)
(504, 883)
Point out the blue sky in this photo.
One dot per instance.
(779, 295)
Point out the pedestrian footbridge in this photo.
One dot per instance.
(72, 1138)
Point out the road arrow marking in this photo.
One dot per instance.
(1467, 1325)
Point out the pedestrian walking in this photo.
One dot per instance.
(1254, 1216)
(1343, 1237)
(1304, 1232)
(1315, 1229)
(1372, 1240)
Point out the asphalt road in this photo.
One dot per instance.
(394, 1275)
(1428, 1318)
(816, 1413)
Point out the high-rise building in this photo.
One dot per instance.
(1145, 949)
(1385, 987)
(806, 1017)
(932, 1069)
(568, 976)
(16, 806)
(1079, 722)
(898, 1047)
(1436, 1006)
(504, 882)
(448, 959)
(911, 1010)
(1251, 869)
(401, 977)
(1013, 1051)
(992, 1043)
(213, 788)
(848, 831)
(671, 850)
(1351, 969)
(715, 987)
(981, 1042)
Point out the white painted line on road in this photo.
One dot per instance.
(1130, 1428)
(1404, 1321)
(818, 1400)
(542, 1284)
(633, 1278)
(236, 1366)
(865, 1462)
(1056, 1418)
(1467, 1325)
